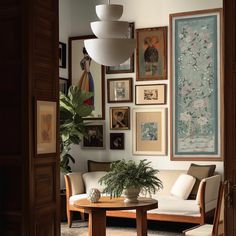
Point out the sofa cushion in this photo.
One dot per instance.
(199, 172)
(91, 180)
(175, 206)
(98, 166)
(183, 186)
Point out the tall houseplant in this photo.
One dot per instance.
(129, 175)
(73, 108)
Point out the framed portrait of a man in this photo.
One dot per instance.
(94, 136)
(119, 118)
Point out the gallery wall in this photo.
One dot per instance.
(145, 14)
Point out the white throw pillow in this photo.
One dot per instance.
(91, 180)
(183, 186)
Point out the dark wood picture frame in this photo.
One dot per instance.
(150, 94)
(151, 54)
(119, 118)
(119, 90)
(76, 45)
(117, 141)
(94, 137)
(63, 85)
(127, 66)
(62, 55)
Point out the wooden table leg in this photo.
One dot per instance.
(97, 223)
(141, 222)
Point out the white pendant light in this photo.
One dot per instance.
(112, 45)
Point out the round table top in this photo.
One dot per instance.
(113, 204)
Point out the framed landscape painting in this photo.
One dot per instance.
(196, 84)
(149, 131)
(151, 54)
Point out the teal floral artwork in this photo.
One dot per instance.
(196, 111)
(149, 131)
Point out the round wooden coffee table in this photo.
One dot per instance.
(97, 213)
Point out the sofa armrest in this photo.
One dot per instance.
(210, 191)
(74, 183)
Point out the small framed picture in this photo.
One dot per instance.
(149, 131)
(46, 120)
(119, 118)
(95, 136)
(63, 85)
(117, 141)
(151, 54)
(62, 55)
(151, 94)
(119, 90)
(127, 66)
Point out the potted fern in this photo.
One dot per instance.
(73, 108)
(129, 178)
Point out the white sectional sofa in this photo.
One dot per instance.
(170, 208)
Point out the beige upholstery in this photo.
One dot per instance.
(179, 210)
(203, 230)
(77, 184)
(217, 229)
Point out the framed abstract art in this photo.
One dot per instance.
(196, 85)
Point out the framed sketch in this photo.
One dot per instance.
(95, 136)
(119, 118)
(87, 74)
(63, 85)
(127, 66)
(46, 120)
(151, 54)
(62, 55)
(151, 94)
(149, 131)
(119, 90)
(117, 141)
(196, 84)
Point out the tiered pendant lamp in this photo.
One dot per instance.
(112, 45)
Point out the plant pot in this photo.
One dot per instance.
(131, 194)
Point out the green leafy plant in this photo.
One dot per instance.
(128, 174)
(73, 108)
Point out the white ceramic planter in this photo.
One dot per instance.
(131, 194)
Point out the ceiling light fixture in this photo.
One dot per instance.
(112, 45)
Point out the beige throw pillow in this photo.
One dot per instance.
(183, 186)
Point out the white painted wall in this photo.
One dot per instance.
(145, 14)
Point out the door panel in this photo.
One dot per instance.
(230, 114)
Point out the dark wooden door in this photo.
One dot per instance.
(230, 114)
(29, 183)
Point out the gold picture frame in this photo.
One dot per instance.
(46, 120)
(149, 131)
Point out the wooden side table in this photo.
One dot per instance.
(97, 213)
